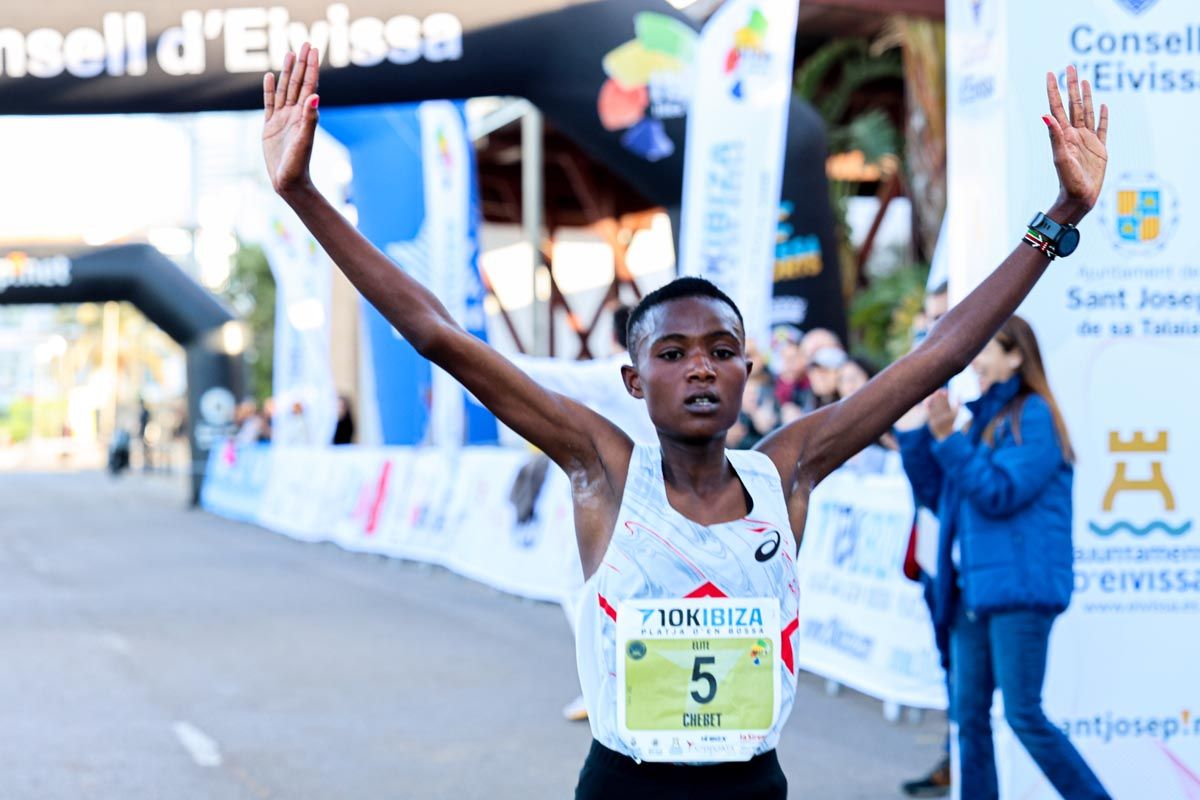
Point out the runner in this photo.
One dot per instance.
(685, 651)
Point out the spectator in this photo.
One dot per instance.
(853, 375)
(822, 372)
(250, 425)
(760, 413)
(268, 420)
(1002, 488)
(143, 423)
(343, 433)
(937, 302)
(794, 391)
(789, 364)
(294, 428)
(819, 339)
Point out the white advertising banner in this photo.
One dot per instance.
(305, 397)
(446, 167)
(733, 164)
(1119, 326)
(438, 505)
(862, 623)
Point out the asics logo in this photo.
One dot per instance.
(767, 550)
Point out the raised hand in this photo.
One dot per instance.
(1078, 143)
(291, 119)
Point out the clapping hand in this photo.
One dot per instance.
(291, 120)
(1078, 143)
(941, 414)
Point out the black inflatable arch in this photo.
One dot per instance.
(169, 298)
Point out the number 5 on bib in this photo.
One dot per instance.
(698, 680)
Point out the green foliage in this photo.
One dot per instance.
(871, 132)
(251, 292)
(829, 79)
(881, 315)
(814, 73)
(19, 421)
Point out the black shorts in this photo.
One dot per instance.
(608, 775)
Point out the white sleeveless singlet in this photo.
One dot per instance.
(656, 552)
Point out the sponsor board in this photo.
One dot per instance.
(862, 623)
(1118, 322)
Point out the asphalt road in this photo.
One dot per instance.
(150, 651)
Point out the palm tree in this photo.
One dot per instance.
(922, 43)
(863, 144)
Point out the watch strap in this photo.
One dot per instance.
(1038, 241)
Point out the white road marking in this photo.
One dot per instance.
(200, 746)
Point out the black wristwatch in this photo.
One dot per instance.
(1051, 238)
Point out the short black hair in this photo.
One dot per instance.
(620, 323)
(677, 289)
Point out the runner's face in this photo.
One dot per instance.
(692, 368)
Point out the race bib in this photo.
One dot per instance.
(697, 680)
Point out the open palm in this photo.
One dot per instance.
(291, 119)
(1078, 142)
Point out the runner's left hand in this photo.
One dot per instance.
(1078, 142)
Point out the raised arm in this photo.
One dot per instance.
(812, 447)
(583, 443)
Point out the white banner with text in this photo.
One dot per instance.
(862, 623)
(1119, 327)
(733, 164)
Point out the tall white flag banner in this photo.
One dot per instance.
(302, 380)
(1119, 326)
(446, 167)
(733, 165)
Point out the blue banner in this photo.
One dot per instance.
(385, 153)
(235, 480)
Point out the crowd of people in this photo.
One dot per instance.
(800, 374)
(255, 423)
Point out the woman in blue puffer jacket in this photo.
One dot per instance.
(1002, 490)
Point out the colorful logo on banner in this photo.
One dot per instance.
(445, 156)
(796, 256)
(1140, 213)
(976, 56)
(649, 80)
(1136, 6)
(982, 27)
(1138, 469)
(748, 59)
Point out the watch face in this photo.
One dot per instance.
(1068, 242)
